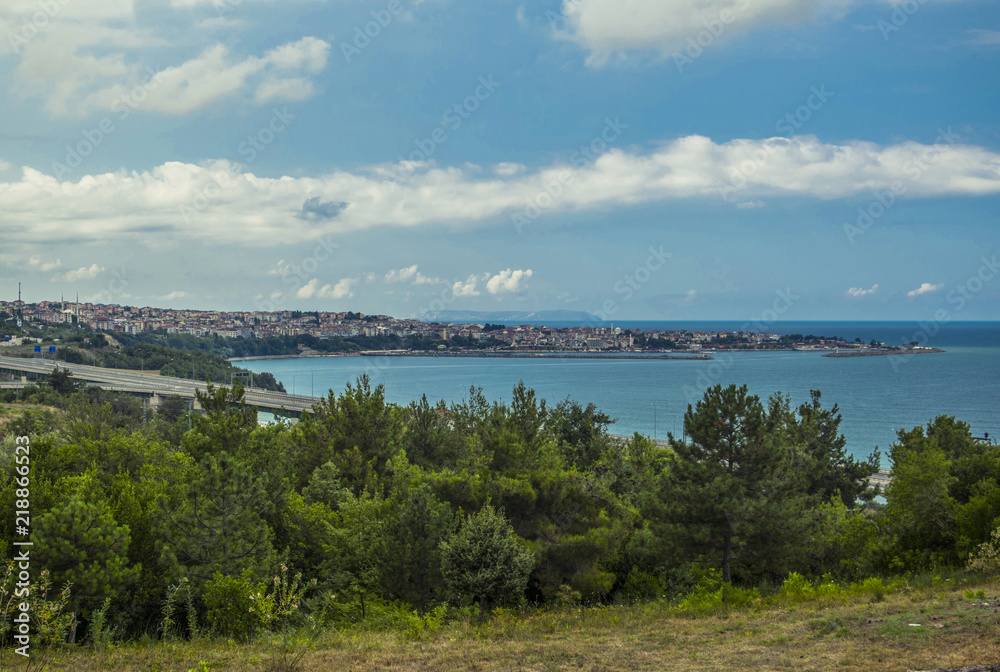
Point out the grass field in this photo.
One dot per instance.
(913, 629)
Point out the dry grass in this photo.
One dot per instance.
(951, 630)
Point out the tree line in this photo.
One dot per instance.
(476, 504)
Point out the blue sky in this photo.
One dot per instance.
(644, 159)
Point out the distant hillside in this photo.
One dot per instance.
(510, 316)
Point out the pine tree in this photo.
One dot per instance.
(218, 525)
(81, 544)
(412, 572)
(728, 494)
(485, 561)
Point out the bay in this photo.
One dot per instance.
(876, 395)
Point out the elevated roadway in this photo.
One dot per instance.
(147, 384)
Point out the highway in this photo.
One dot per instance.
(149, 383)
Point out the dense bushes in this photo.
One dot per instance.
(369, 514)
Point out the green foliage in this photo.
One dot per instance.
(987, 556)
(229, 604)
(485, 561)
(796, 588)
(357, 431)
(218, 524)
(731, 493)
(80, 543)
(367, 498)
(412, 571)
(100, 637)
(326, 487)
(713, 594)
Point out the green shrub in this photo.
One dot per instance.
(705, 600)
(229, 601)
(797, 588)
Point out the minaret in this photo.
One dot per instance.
(62, 301)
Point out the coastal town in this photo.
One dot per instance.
(597, 337)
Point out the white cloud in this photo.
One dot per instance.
(173, 296)
(42, 265)
(340, 290)
(82, 273)
(4, 165)
(614, 29)
(466, 288)
(979, 37)
(307, 290)
(508, 169)
(859, 293)
(214, 75)
(170, 199)
(750, 205)
(411, 275)
(89, 57)
(508, 281)
(402, 275)
(924, 288)
(287, 90)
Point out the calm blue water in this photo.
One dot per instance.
(876, 395)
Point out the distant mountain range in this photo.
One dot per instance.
(509, 316)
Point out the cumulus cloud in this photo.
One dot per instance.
(82, 273)
(410, 274)
(340, 290)
(859, 293)
(508, 281)
(4, 165)
(614, 29)
(214, 75)
(466, 288)
(402, 275)
(89, 57)
(750, 205)
(254, 210)
(924, 288)
(44, 265)
(173, 296)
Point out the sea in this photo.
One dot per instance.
(876, 395)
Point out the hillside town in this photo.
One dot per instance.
(326, 325)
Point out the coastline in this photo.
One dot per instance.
(885, 353)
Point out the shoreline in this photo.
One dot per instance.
(528, 355)
(886, 353)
